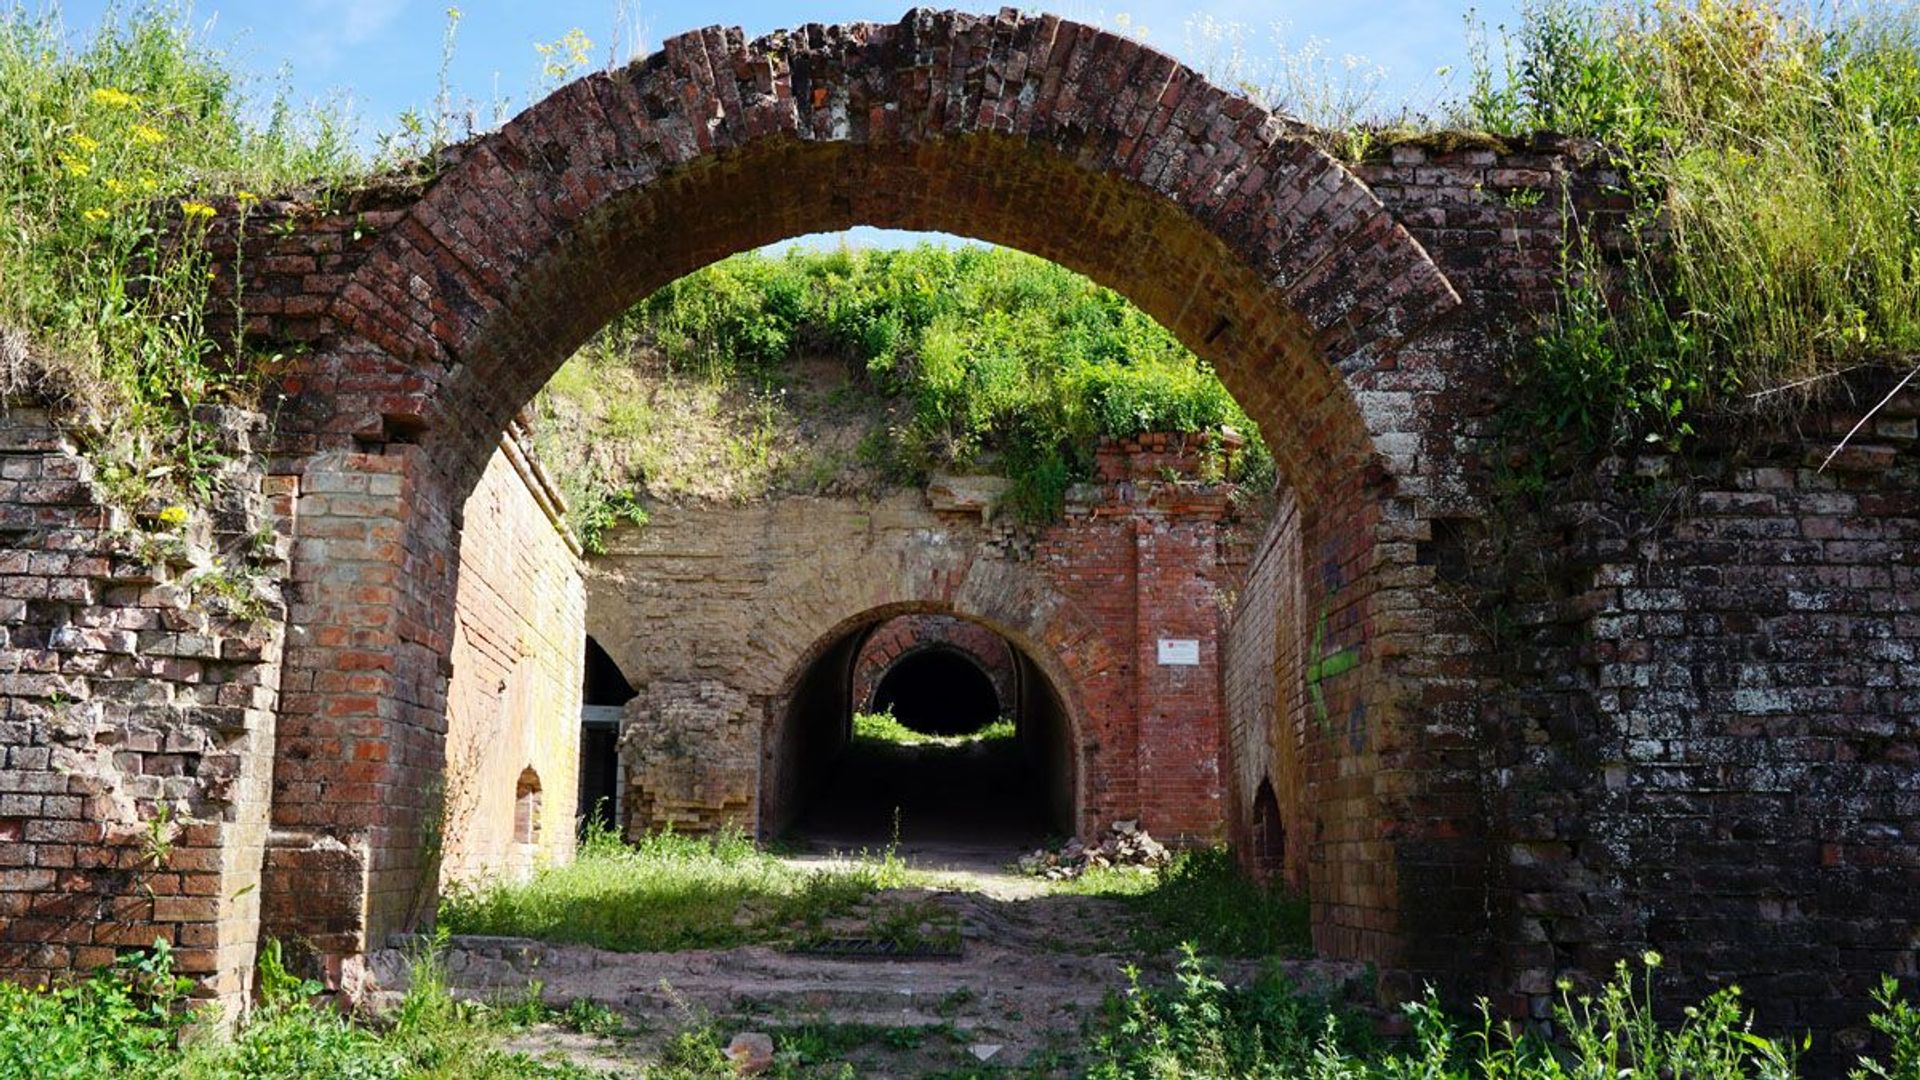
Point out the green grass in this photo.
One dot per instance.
(1198, 1027)
(669, 892)
(969, 359)
(1202, 898)
(132, 1022)
(882, 727)
(1771, 158)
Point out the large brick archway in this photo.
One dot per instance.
(1218, 219)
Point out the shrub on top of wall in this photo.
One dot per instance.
(1771, 159)
(965, 358)
(116, 151)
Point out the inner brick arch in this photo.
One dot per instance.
(1221, 221)
(899, 639)
(1043, 635)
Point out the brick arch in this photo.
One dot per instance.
(1217, 218)
(900, 638)
(1221, 221)
(1037, 624)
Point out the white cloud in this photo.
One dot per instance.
(336, 24)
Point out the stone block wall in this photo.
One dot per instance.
(140, 655)
(513, 699)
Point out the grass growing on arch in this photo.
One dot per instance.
(668, 892)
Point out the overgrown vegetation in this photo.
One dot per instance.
(1200, 1027)
(669, 891)
(1771, 160)
(884, 727)
(132, 1021)
(102, 143)
(965, 358)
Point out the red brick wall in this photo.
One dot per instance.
(136, 712)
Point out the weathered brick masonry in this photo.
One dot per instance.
(735, 606)
(513, 698)
(902, 637)
(1701, 738)
(140, 660)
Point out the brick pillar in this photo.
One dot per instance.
(1178, 701)
(354, 852)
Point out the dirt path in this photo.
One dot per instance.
(1034, 969)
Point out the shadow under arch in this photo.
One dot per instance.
(936, 689)
(809, 727)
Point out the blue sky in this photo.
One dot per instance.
(385, 54)
(380, 57)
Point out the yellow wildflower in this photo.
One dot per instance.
(74, 166)
(95, 214)
(173, 515)
(196, 209)
(148, 182)
(150, 136)
(115, 99)
(246, 197)
(83, 143)
(116, 187)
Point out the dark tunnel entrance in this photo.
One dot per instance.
(603, 693)
(938, 692)
(962, 756)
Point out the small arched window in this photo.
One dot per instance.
(1269, 835)
(526, 808)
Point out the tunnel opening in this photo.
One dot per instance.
(604, 693)
(938, 692)
(954, 756)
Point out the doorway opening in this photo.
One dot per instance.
(604, 694)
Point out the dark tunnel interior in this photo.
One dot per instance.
(939, 692)
(828, 787)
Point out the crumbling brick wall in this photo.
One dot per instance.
(691, 751)
(140, 658)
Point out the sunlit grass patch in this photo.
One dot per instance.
(668, 892)
(1202, 897)
(883, 727)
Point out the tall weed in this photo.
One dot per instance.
(104, 143)
(1772, 160)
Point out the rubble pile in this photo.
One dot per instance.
(1127, 844)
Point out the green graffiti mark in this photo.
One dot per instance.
(1326, 666)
